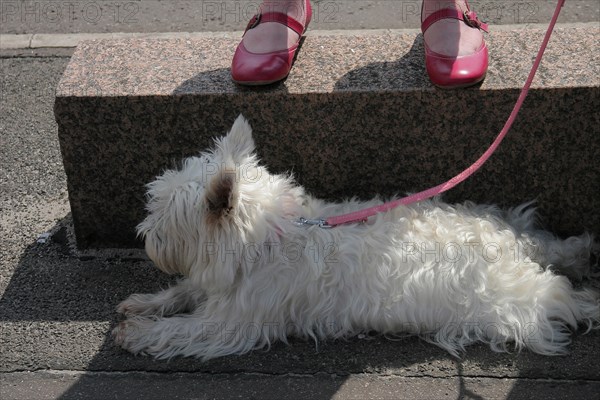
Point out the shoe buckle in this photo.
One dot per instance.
(253, 23)
(470, 18)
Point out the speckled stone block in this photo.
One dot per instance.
(356, 117)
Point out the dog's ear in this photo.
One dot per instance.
(238, 143)
(220, 196)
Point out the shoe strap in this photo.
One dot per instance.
(274, 16)
(468, 17)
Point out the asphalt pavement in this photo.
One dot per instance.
(57, 304)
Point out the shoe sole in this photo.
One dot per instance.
(258, 83)
(460, 86)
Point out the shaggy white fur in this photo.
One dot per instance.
(452, 274)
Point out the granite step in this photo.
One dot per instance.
(356, 117)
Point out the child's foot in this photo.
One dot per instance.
(267, 50)
(455, 51)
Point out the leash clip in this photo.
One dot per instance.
(321, 223)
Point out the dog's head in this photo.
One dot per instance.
(187, 208)
(196, 217)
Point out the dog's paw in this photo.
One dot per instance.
(129, 335)
(136, 304)
(119, 333)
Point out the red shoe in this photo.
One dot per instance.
(455, 71)
(263, 68)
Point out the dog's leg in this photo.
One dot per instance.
(194, 335)
(544, 319)
(537, 311)
(533, 309)
(179, 298)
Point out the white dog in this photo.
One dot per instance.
(452, 274)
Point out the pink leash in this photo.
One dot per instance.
(362, 215)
